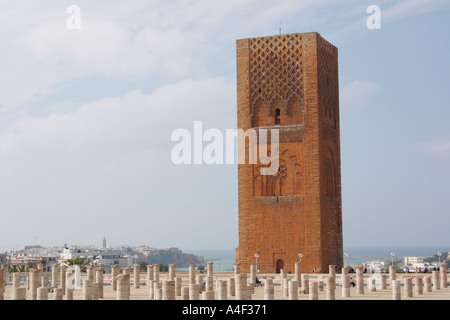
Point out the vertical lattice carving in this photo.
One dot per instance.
(328, 82)
(276, 70)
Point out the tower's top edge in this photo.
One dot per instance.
(282, 35)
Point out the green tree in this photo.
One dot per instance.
(143, 266)
(82, 262)
(18, 269)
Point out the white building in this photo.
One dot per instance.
(101, 257)
(413, 261)
(375, 266)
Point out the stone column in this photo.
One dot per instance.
(127, 272)
(237, 269)
(332, 270)
(193, 291)
(94, 275)
(20, 293)
(209, 269)
(87, 289)
(427, 284)
(231, 286)
(373, 284)
(286, 287)
(305, 284)
(330, 287)
(62, 278)
(184, 293)
(114, 275)
(40, 267)
(95, 291)
(269, 293)
(320, 282)
(123, 285)
(359, 280)
(42, 293)
(136, 275)
(172, 272)
(241, 286)
(200, 282)
(68, 294)
(253, 273)
(283, 275)
(418, 286)
(392, 274)
(168, 290)
(99, 278)
(293, 290)
(55, 276)
(298, 273)
(77, 277)
(208, 295)
(151, 289)
(436, 280)
(3, 274)
(345, 285)
(191, 274)
(16, 280)
(69, 279)
(313, 290)
(407, 287)
(178, 282)
(222, 290)
(383, 282)
(396, 292)
(34, 283)
(90, 273)
(209, 283)
(250, 289)
(57, 294)
(156, 272)
(443, 275)
(149, 275)
(44, 281)
(158, 290)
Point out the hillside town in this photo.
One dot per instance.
(97, 256)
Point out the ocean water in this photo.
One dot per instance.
(374, 253)
(227, 256)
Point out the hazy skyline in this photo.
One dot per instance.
(87, 116)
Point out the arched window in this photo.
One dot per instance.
(279, 266)
(277, 116)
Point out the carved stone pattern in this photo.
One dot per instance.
(328, 82)
(286, 160)
(276, 70)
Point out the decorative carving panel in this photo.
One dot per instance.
(276, 71)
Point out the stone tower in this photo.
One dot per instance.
(290, 83)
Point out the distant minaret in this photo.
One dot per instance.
(104, 242)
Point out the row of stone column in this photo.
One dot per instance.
(38, 289)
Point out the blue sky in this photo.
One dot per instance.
(87, 116)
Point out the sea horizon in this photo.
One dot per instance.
(226, 257)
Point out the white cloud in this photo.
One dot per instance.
(134, 120)
(409, 8)
(139, 40)
(357, 93)
(439, 146)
